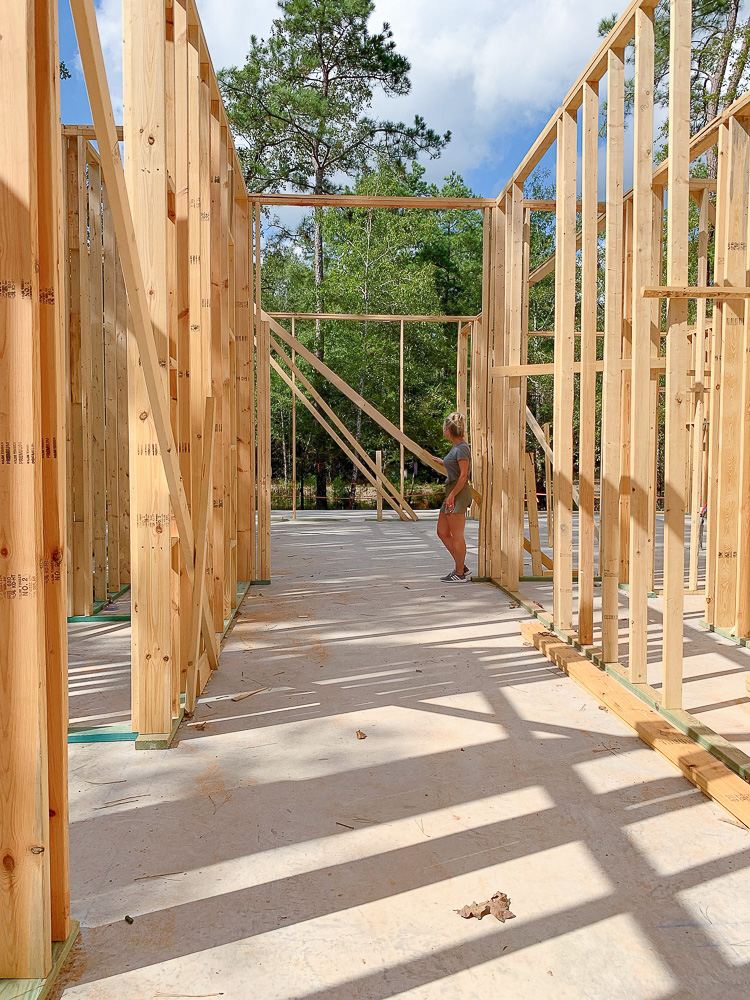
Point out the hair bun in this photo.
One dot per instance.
(455, 424)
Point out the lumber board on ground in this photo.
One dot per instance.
(700, 767)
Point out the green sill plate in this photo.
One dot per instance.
(116, 732)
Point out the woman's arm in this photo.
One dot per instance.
(463, 478)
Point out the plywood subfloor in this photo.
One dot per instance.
(271, 853)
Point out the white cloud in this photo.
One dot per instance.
(481, 70)
(497, 66)
(228, 25)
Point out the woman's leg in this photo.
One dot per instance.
(457, 522)
(444, 531)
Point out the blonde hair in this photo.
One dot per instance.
(455, 424)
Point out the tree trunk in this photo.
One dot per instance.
(716, 82)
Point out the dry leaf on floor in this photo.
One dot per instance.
(246, 694)
(361, 735)
(477, 910)
(500, 907)
(497, 905)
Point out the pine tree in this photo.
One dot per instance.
(300, 110)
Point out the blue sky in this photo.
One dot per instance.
(492, 75)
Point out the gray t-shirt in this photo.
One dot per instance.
(460, 452)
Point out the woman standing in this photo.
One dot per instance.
(452, 517)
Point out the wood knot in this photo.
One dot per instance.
(9, 863)
(143, 416)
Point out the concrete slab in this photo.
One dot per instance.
(272, 853)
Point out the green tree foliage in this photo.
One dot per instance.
(300, 103)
